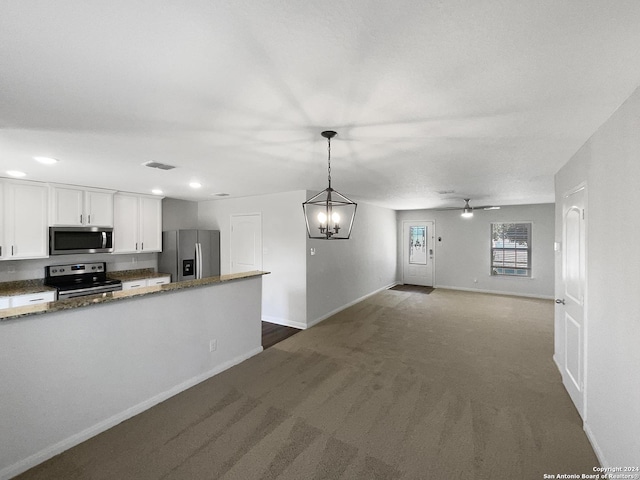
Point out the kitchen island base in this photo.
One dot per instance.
(68, 375)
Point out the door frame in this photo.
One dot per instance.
(238, 215)
(560, 293)
(404, 246)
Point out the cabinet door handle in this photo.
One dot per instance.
(80, 218)
(11, 249)
(0, 250)
(37, 300)
(136, 245)
(142, 246)
(89, 220)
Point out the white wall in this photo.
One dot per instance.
(464, 254)
(283, 242)
(610, 164)
(344, 271)
(69, 375)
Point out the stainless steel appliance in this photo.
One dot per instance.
(67, 240)
(190, 254)
(80, 279)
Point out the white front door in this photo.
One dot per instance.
(571, 295)
(418, 253)
(246, 243)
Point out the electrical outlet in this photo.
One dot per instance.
(213, 345)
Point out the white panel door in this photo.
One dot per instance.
(246, 243)
(570, 306)
(418, 253)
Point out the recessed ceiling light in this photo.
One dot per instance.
(156, 191)
(16, 173)
(46, 160)
(195, 185)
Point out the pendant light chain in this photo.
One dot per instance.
(329, 161)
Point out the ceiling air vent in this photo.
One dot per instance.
(161, 166)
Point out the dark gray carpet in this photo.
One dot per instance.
(452, 385)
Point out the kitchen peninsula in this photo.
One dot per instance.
(74, 368)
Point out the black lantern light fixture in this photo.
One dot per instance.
(329, 214)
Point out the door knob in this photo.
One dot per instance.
(560, 301)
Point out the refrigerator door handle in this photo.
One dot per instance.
(198, 260)
(196, 267)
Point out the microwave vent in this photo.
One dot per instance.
(161, 166)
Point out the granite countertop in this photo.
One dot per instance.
(132, 275)
(79, 302)
(23, 287)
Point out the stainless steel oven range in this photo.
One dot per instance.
(80, 279)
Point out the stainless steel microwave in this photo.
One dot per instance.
(68, 240)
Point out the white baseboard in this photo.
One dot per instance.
(344, 307)
(284, 321)
(497, 292)
(53, 450)
(596, 447)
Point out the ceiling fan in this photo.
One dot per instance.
(467, 210)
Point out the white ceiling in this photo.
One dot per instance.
(485, 98)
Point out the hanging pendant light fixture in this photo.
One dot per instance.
(329, 214)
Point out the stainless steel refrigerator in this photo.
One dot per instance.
(190, 254)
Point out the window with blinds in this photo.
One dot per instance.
(511, 249)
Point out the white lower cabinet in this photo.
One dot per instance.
(146, 282)
(27, 299)
(134, 284)
(159, 281)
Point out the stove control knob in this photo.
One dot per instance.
(62, 269)
(54, 270)
(93, 268)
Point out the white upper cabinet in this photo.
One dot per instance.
(150, 224)
(98, 208)
(25, 232)
(73, 206)
(137, 223)
(126, 224)
(67, 206)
